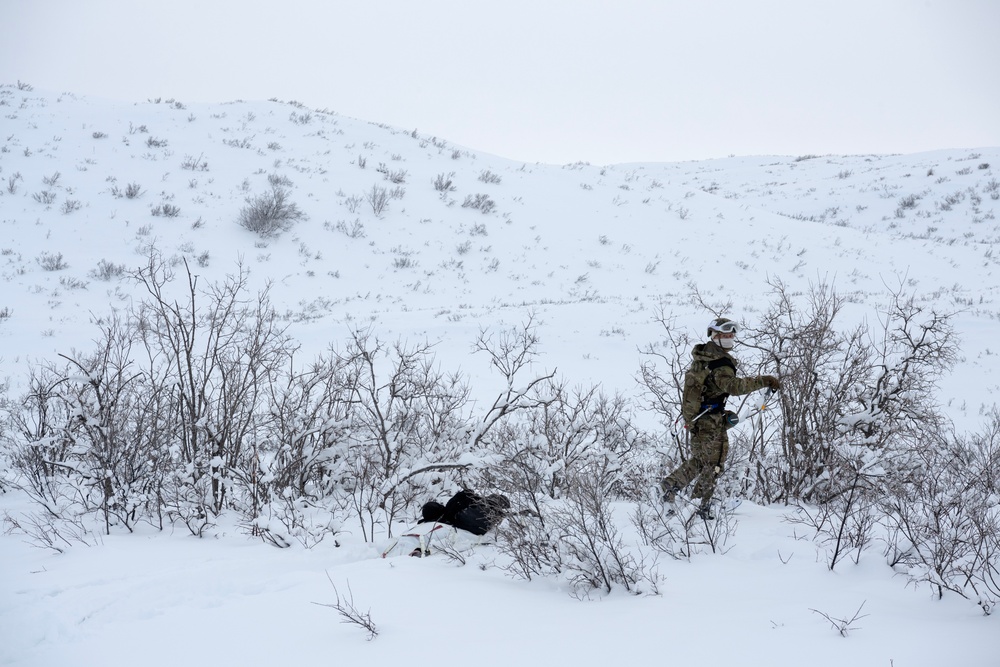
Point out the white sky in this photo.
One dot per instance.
(551, 81)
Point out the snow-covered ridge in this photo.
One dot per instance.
(461, 239)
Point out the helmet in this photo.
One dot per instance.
(721, 325)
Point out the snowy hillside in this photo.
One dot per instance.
(591, 249)
(420, 240)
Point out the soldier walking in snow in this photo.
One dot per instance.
(709, 381)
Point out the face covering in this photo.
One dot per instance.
(726, 343)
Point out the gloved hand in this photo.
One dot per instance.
(771, 382)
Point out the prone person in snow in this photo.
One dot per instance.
(468, 511)
(459, 525)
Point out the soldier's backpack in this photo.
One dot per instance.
(693, 397)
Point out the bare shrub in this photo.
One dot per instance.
(279, 180)
(131, 191)
(595, 555)
(44, 197)
(941, 508)
(194, 163)
(107, 271)
(443, 183)
(843, 626)
(57, 533)
(270, 213)
(378, 198)
(845, 394)
(356, 230)
(166, 209)
(397, 176)
(52, 261)
(480, 202)
(218, 352)
(409, 426)
(349, 613)
(353, 202)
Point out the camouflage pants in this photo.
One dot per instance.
(709, 449)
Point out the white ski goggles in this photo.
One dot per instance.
(725, 327)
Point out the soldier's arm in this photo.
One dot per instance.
(727, 381)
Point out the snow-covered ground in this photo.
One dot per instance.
(592, 251)
(160, 599)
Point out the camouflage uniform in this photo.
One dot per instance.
(709, 442)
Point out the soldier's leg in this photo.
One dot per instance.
(680, 478)
(692, 468)
(715, 448)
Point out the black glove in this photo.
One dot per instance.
(771, 382)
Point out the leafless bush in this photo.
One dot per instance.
(397, 176)
(378, 198)
(219, 352)
(289, 519)
(941, 507)
(245, 142)
(843, 625)
(846, 521)
(194, 163)
(679, 531)
(526, 538)
(132, 191)
(107, 271)
(56, 533)
(443, 183)
(355, 231)
(349, 613)
(166, 209)
(52, 261)
(270, 213)
(595, 555)
(88, 440)
(480, 202)
(487, 176)
(408, 426)
(579, 433)
(44, 197)
(353, 202)
(845, 395)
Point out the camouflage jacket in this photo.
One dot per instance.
(711, 378)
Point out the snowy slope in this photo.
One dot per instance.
(592, 251)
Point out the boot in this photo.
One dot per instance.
(670, 491)
(705, 512)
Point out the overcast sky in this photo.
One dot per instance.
(550, 81)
